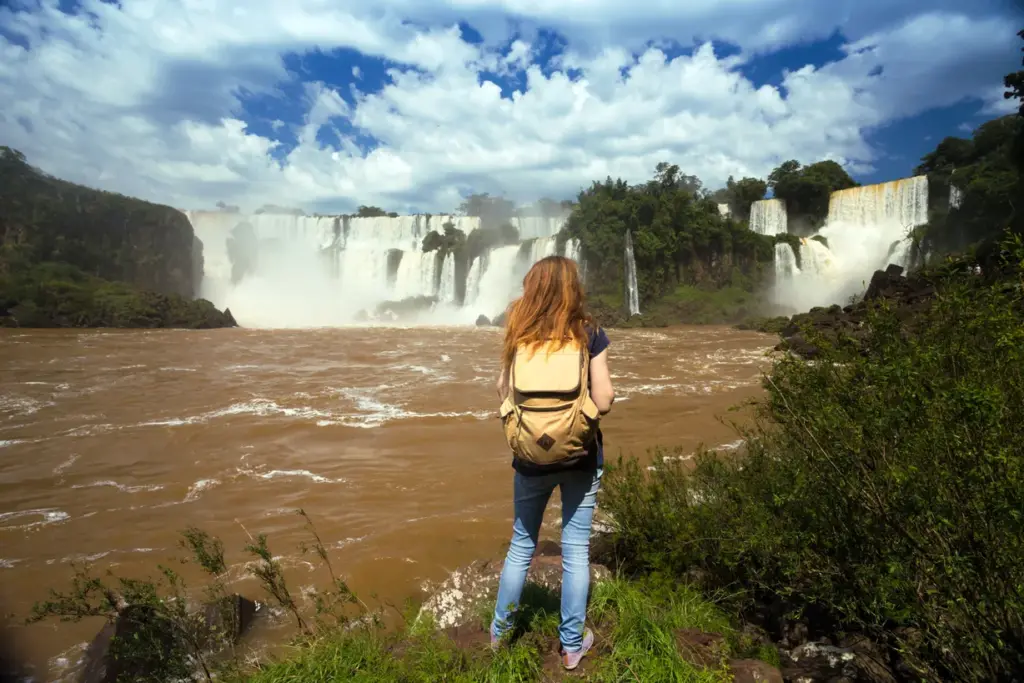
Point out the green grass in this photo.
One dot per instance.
(635, 625)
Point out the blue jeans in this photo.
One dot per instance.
(579, 498)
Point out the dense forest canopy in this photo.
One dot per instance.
(106, 235)
(738, 195)
(679, 235)
(985, 172)
(71, 256)
(806, 191)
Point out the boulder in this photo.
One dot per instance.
(458, 600)
(498, 320)
(859, 660)
(130, 646)
(754, 671)
(133, 646)
(482, 321)
(229, 618)
(701, 648)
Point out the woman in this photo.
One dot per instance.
(552, 307)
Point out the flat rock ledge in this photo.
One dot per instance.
(470, 591)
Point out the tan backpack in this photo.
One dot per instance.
(548, 414)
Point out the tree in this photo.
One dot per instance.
(492, 211)
(988, 177)
(370, 212)
(806, 190)
(679, 236)
(739, 195)
(1015, 90)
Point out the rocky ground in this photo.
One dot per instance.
(802, 333)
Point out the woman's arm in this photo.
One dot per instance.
(601, 390)
(502, 384)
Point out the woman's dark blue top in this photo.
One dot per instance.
(595, 452)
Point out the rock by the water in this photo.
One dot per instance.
(458, 599)
(483, 321)
(104, 662)
(908, 296)
(498, 320)
(816, 662)
(230, 618)
(133, 646)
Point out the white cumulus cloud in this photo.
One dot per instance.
(149, 98)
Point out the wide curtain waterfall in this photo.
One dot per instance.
(768, 217)
(282, 270)
(867, 228)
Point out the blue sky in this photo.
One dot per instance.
(411, 105)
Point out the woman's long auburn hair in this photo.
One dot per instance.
(552, 307)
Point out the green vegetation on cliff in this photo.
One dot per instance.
(880, 492)
(685, 250)
(60, 295)
(71, 256)
(806, 191)
(985, 174)
(740, 194)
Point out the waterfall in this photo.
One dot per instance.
(867, 228)
(956, 197)
(573, 250)
(723, 209)
(768, 217)
(785, 262)
(446, 291)
(632, 293)
(897, 205)
(308, 271)
(498, 283)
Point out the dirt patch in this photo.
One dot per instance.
(551, 662)
(701, 648)
(470, 637)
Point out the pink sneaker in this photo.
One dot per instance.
(570, 660)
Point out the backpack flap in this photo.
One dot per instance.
(543, 371)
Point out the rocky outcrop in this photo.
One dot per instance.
(459, 599)
(135, 644)
(71, 256)
(909, 297)
(482, 321)
(822, 662)
(106, 235)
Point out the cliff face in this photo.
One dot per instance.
(106, 235)
(75, 257)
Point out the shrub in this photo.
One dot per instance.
(883, 485)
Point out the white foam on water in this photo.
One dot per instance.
(61, 468)
(10, 442)
(82, 557)
(196, 489)
(49, 516)
(21, 405)
(8, 564)
(126, 488)
(274, 474)
(649, 389)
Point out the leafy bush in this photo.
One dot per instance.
(61, 295)
(882, 485)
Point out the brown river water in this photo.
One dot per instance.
(111, 442)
